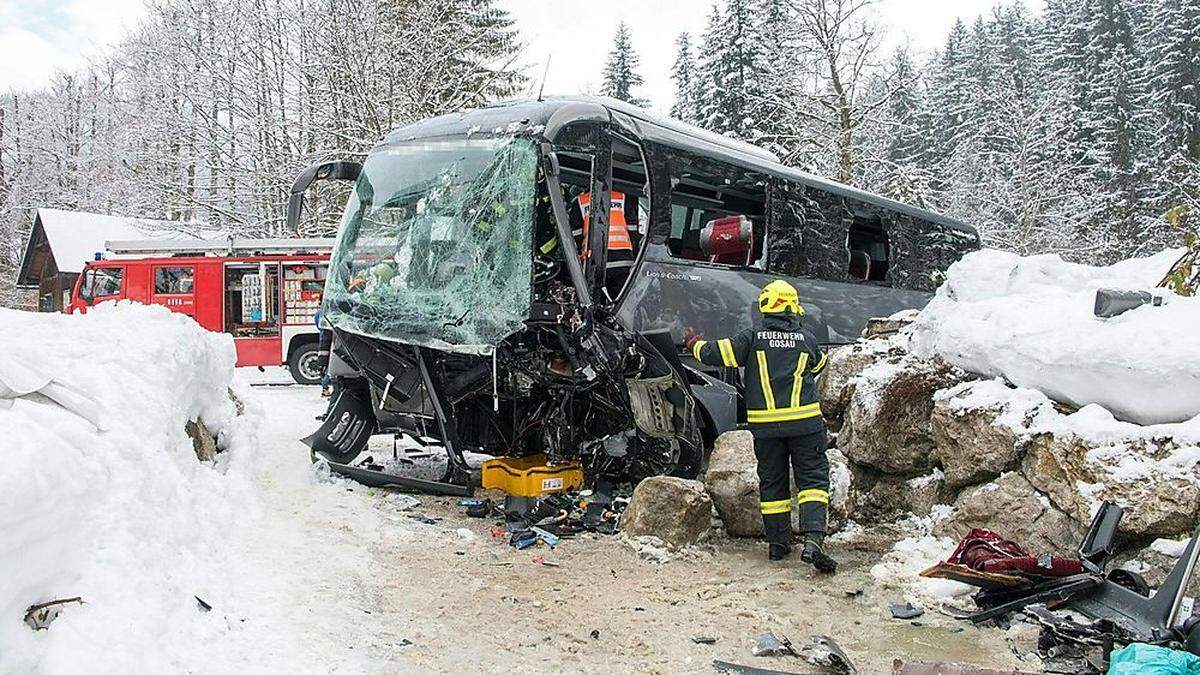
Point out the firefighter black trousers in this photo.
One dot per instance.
(777, 459)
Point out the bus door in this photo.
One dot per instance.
(175, 288)
(252, 312)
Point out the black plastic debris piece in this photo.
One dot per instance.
(482, 508)
(906, 611)
(770, 644)
(40, 616)
(704, 640)
(727, 667)
(202, 605)
(595, 634)
(424, 518)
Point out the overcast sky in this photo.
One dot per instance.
(39, 36)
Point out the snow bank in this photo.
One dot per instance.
(900, 568)
(1029, 320)
(126, 518)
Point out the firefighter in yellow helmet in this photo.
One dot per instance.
(781, 360)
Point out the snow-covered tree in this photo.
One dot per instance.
(620, 76)
(731, 63)
(683, 74)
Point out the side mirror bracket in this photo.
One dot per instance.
(333, 170)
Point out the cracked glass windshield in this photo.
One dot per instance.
(435, 247)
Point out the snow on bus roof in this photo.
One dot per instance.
(74, 237)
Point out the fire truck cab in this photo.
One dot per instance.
(265, 293)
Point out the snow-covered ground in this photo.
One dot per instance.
(130, 520)
(309, 575)
(1029, 320)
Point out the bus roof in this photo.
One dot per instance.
(549, 115)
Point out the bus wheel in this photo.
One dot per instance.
(305, 364)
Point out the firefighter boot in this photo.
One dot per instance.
(812, 524)
(778, 530)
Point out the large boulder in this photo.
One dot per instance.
(879, 497)
(676, 510)
(1160, 494)
(1011, 507)
(974, 444)
(835, 386)
(887, 425)
(732, 482)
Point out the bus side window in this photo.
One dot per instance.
(818, 235)
(718, 212)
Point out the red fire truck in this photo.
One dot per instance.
(263, 292)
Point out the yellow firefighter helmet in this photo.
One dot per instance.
(778, 297)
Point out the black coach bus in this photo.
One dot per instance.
(469, 311)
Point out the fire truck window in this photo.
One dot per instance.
(101, 282)
(717, 213)
(173, 280)
(252, 300)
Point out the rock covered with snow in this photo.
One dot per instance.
(887, 424)
(1030, 321)
(676, 510)
(1012, 507)
(125, 517)
(976, 436)
(836, 384)
(1077, 459)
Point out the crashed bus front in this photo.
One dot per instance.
(476, 304)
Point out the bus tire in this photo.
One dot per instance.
(305, 363)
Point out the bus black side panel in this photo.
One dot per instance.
(348, 426)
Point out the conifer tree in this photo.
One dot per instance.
(620, 75)
(731, 61)
(683, 74)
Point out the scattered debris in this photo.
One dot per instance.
(202, 605)
(727, 667)
(906, 611)
(405, 502)
(40, 616)
(704, 640)
(595, 634)
(824, 652)
(424, 518)
(541, 560)
(769, 644)
(924, 668)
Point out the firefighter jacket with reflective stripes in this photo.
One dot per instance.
(781, 361)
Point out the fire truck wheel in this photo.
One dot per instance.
(305, 364)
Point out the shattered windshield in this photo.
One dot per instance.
(435, 247)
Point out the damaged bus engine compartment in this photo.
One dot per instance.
(475, 303)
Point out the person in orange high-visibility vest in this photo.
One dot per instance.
(621, 251)
(620, 244)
